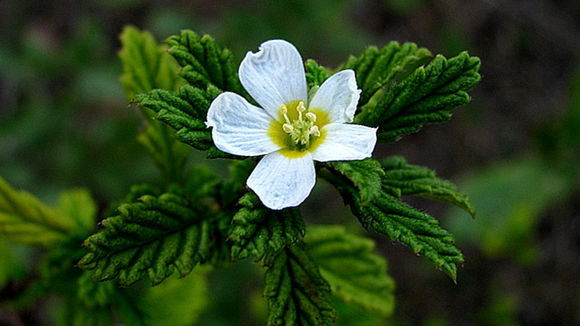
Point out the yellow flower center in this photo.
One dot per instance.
(298, 130)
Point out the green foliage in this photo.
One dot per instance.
(355, 273)
(176, 302)
(204, 63)
(296, 292)
(365, 175)
(185, 111)
(403, 179)
(24, 219)
(146, 65)
(315, 74)
(153, 236)
(426, 96)
(377, 69)
(78, 206)
(259, 232)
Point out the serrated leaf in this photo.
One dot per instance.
(259, 232)
(146, 64)
(417, 230)
(24, 219)
(425, 96)
(204, 63)
(79, 206)
(365, 175)
(403, 179)
(355, 273)
(377, 69)
(153, 236)
(185, 111)
(295, 291)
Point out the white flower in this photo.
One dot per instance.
(291, 130)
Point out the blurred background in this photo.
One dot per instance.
(64, 122)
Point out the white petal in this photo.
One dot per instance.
(338, 96)
(282, 182)
(345, 142)
(274, 75)
(239, 127)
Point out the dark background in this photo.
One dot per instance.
(64, 122)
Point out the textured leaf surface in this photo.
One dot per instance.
(377, 69)
(186, 112)
(154, 236)
(204, 62)
(259, 232)
(426, 96)
(355, 273)
(365, 175)
(403, 179)
(315, 74)
(296, 292)
(146, 65)
(24, 219)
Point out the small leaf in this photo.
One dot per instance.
(355, 273)
(259, 232)
(146, 65)
(24, 219)
(295, 291)
(79, 206)
(204, 63)
(426, 96)
(403, 179)
(377, 69)
(365, 175)
(153, 236)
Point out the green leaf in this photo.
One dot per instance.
(315, 74)
(403, 179)
(259, 232)
(154, 236)
(356, 274)
(176, 302)
(204, 63)
(186, 112)
(417, 230)
(146, 65)
(24, 219)
(295, 291)
(78, 206)
(365, 175)
(378, 69)
(426, 96)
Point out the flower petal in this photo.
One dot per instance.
(274, 75)
(239, 127)
(345, 142)
(281, 181)
(338, 96)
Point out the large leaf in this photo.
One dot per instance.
(365, 175)
(355, 273)
(403, 179)
(259, 232)
(426, 96)
(154, 236)
(296, 292)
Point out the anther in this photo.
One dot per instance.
(314, 131)
(287, 128)
(284, 109)
(301, 107)
(311, 116)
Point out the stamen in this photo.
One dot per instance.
(301, 107)
(287, 128)
(314, 131)
(311, 116)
